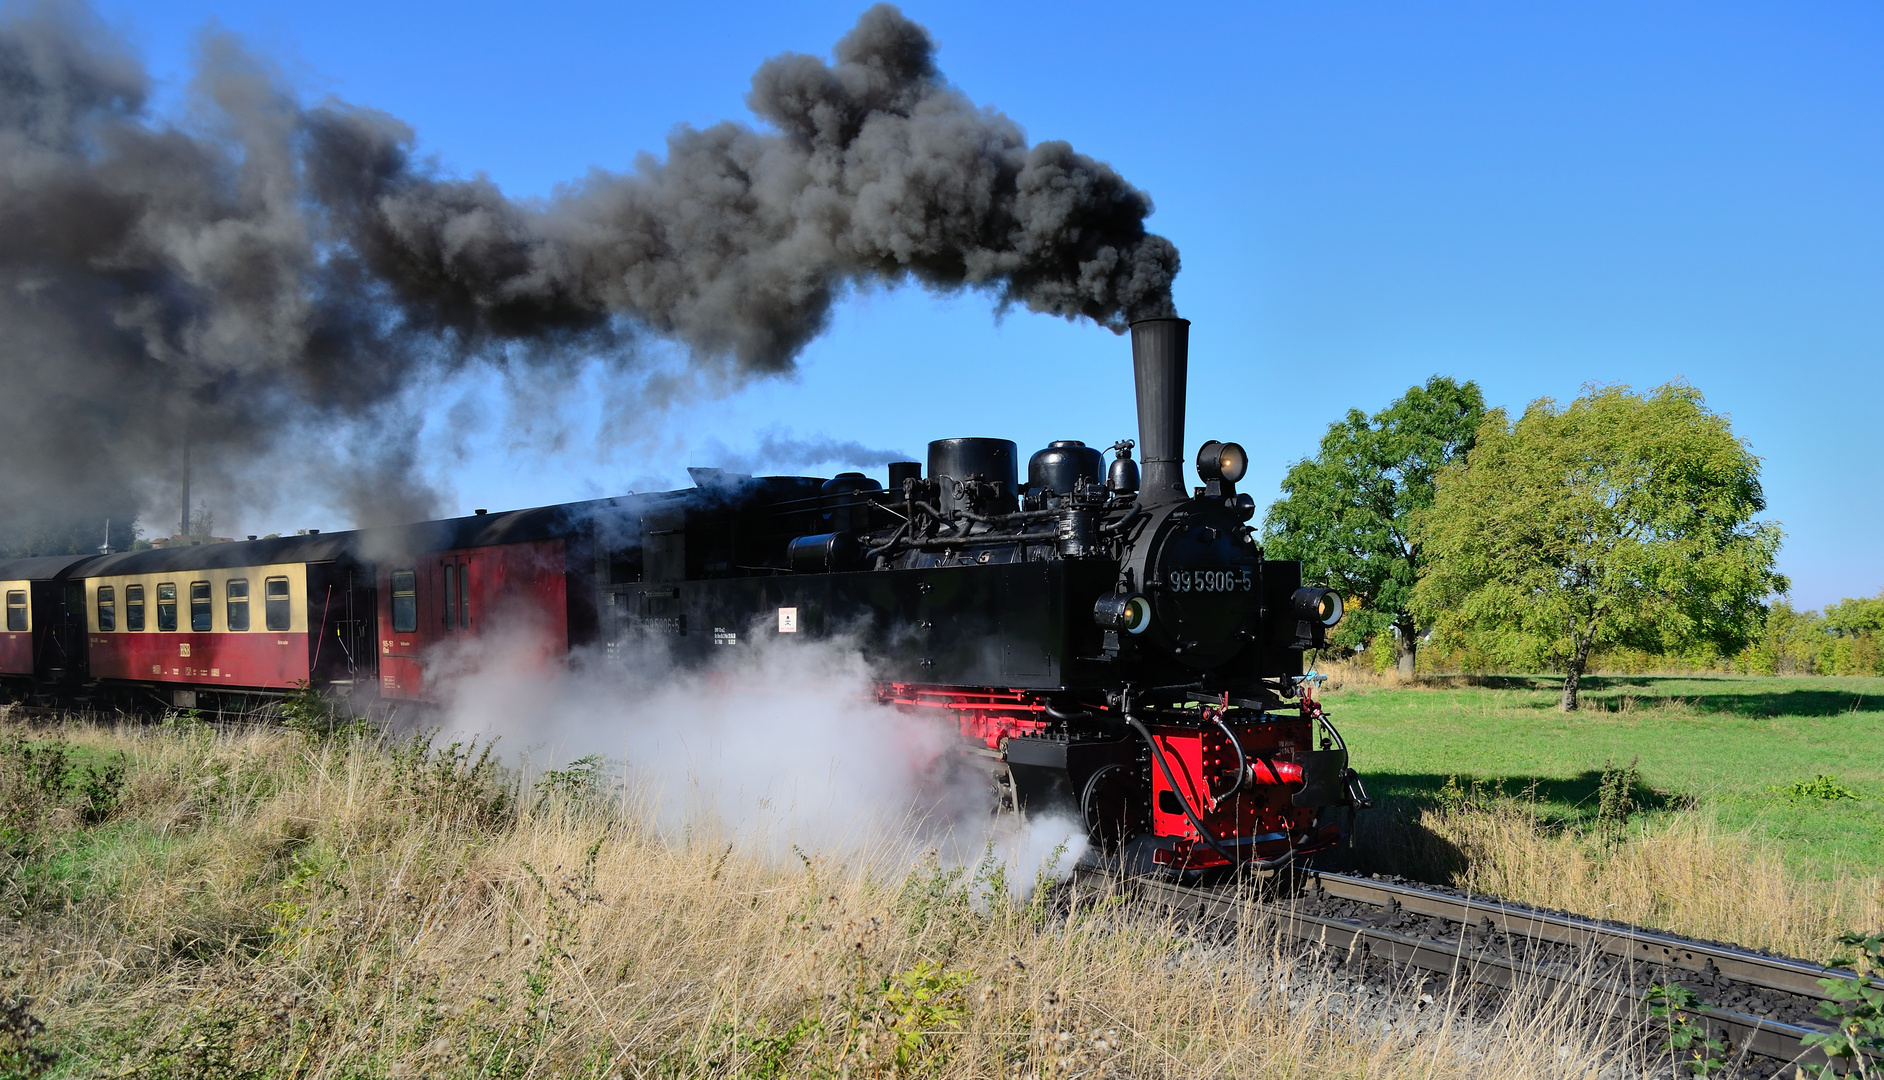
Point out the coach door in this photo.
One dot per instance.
(462, 588)
(67, 644)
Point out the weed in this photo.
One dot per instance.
(103, 790)
(1856, 1008)
(187, 722)
(899, 1035)
(461, 779)
(1819, 787)
(1615, 799)
(23, 1055)
(578, 782)
(1672, 1006)
(318, 717)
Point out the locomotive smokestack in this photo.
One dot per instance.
(1160, 361)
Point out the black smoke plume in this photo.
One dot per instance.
(269, 281)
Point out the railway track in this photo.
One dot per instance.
(1758, 1004)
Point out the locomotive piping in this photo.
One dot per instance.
(1242, 761)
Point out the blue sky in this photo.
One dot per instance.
(1532, 196)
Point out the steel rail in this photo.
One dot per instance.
(1455, 958)
(1664, 950)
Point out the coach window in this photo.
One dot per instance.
(134, 607)
(107, 607)
(276, 603)
(166, 605)
(451, 596)
(405, 598)
(202, 619)
(16, 609)
(238, 604)
(464, 596)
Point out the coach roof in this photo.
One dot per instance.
(477, 530)
(39, 567)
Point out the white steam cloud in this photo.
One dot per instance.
(782, 747)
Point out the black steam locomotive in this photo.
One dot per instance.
(1122, 648)
(1120, 651)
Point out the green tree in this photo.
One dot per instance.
(1620, 520)
(1345, 512)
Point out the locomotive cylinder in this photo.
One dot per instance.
(1160, 364)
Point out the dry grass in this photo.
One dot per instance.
(259, 906)
(1678, 871)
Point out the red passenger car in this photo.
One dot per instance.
(507, 582)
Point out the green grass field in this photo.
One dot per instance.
(1725, 742)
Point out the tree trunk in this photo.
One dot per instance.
(1409, 647)
(1574, 676)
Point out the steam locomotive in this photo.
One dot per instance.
(1116, 647)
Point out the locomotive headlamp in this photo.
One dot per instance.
(1318, 605)
(1221, 461)
(1123, 611)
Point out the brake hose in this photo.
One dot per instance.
(1242, 762)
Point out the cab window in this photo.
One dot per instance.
(405, 601)
(201, 616)
(166, 605)
(275, 603)
(134, 607)
(16, 609)
(238, 603)
(107, 607)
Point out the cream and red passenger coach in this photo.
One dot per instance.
(354, 611)
(40, 641)
(264, 615)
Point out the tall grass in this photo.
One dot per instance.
(259, 904)
(1676, 870)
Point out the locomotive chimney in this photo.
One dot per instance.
(1160, 359)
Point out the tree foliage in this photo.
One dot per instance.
(1622, 519)
(1344, 513)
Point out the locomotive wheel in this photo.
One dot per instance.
(1112, 815)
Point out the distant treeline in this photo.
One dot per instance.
(1847, 638)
